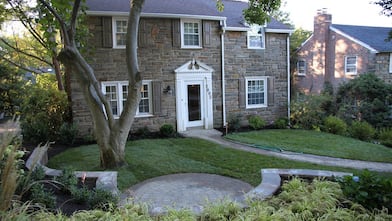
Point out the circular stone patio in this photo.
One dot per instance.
(186, 191)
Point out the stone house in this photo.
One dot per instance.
(337, 53)
(200, 67)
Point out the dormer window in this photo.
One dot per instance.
(190, 33)
(256, 38)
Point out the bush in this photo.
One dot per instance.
(102, 199)
(67, 179)
(362, 130)
(385, 137)
(43, 113)
(234, 123)
(42, 196)
(68, 133)
(81, 195)
(335, 125)
(256, 122)
(281, 123)
(167, 130)
(310, 111)
(369, 190)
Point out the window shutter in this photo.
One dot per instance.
(271, 89)
(206, 33)
(241, 93)
(156, 94)
(176, 32)
(107, 34)
(143, 35)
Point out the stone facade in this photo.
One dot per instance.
(159, 56)
(324, 55)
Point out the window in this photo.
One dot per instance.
(301, 67)
(390, 63)
(190, 34)
(256, 37)
(119, 32)
(256, 92)
(117, 92)
(351, 65)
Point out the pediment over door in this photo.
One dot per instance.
(194, 66)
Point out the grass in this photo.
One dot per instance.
(314, 142)
(156, 157)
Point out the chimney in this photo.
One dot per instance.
(322, 21)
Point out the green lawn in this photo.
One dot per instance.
(315, 142)
(157, 157)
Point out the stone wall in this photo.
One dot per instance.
(241, 62)
(160, 56)
(382, 67)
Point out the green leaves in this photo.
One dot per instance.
(259, 10)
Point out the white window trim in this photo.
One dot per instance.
(182, 34)
(390, 63)
(119, 91)
(298, 69)
(265, 80)
(262, 34)
(149, 114)
(114, 31)
(356, 65)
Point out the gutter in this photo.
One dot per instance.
(288, 79)
(223, 25)
(156, 15)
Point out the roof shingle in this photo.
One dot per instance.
(375, 37)
(233, 10)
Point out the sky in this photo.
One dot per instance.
(348, 12)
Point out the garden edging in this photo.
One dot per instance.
(106, 180)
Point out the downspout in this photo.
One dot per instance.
(288, 78)
(223, 26)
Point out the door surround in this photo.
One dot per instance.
(194, 73)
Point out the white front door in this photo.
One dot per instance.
(194, 107)
(194, 96)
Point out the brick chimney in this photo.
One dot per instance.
(323, 48)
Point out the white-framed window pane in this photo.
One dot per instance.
(256, 92)
(390, 63)
(255, 37)
(144, 105)
(301, 65)
(120, 32)
(191, 34)
(124, 94)
(111, 94)
(351, 65)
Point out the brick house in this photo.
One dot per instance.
(200, 67)
(337, 53)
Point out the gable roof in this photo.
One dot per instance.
(203, 9)
(374, 38)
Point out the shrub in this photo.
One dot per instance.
(365, 98)
(234, 123)
(256, 122)
(80, 195)
(281, 123)
(369, 190)
(102, 199)
(67, 179)
(362, 130)
(42, 196)
(310, 111)
(167, 130)
(335, 125)
(43, 113)
(68, 133)
(385, 137)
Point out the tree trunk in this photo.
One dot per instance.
(111, 134)
(57, 71)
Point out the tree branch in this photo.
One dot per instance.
(19, 65)
(74, 16)
(63, 26)
(24, 53)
